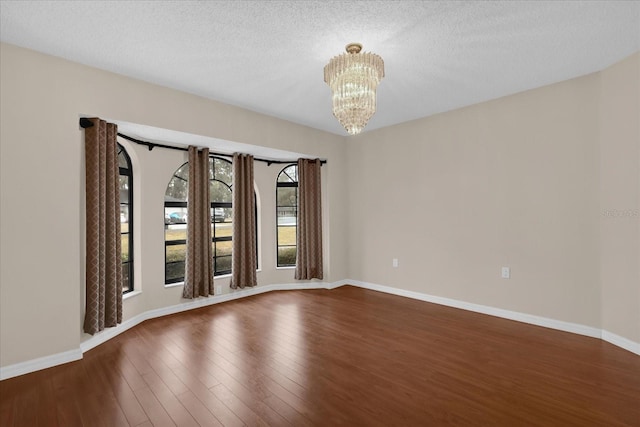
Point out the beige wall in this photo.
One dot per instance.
(41, 221)
(456, 196)
(620, 198)
(521, 181)
(546, 182)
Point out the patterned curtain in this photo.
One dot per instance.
(198, 280)
(243, 269)
(309, 234)
(103, 255)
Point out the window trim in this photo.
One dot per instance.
(291, 184)
(128, 172)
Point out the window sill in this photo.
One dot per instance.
(291, 267)
(130, 295)
(174, 285)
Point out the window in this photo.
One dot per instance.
(287, 215)
(175, 219)
(126, 218)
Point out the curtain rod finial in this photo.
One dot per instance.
(85, 123)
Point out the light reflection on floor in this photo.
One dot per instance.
(289, 342)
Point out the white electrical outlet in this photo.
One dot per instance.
(218, 289)
(395, 262)
(506, 272)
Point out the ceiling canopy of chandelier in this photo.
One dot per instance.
(353, 78)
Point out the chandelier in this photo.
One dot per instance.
(353, 78)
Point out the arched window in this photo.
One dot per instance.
(287, 214)
(126, 218)
(175, 219)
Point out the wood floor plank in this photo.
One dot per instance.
(47, 411)
(287, 412)
(9, 392)
(189, 376)
(225, 415)
(7, 415)
(130, 373)
(156, 413)
(348, 356)
(66, 389)
(169, 401)
(101, 410)
(202, 415)
(122, 392)
(238, 406)
(294, 401)
(24, 404)
(238, 381)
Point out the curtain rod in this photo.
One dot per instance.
(86, 123)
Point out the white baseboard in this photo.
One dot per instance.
(484, 309)
(76, 354)
(40, 363)
(621, 342)
(107, 334)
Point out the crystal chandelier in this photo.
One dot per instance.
(353, 78)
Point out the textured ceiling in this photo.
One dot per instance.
(268, 56)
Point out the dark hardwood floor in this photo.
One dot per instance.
(348, 356)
